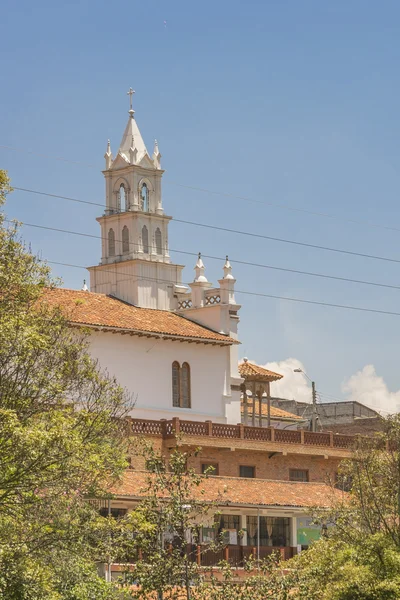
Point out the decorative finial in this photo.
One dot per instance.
(108, 155)
(130, 94)
(245, 359)
(85, 287)
(199, 270)
(227, 269)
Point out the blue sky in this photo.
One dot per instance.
(286, 102)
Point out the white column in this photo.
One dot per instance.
(243, 527)
(293, 531)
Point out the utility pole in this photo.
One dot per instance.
(314, 408)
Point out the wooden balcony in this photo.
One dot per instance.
(207, 433)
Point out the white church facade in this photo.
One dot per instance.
(173, 348)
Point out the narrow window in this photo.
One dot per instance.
(245, 471)
(113, 512)
(144, 194)
(176, 384)
(145, 239)
(158, 241)
(122, 198)
(111, 243)
(210, 467)
(185, 386)
(125, 240)
(298, 475)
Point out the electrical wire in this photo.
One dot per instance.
(225, 194)
(253, 264)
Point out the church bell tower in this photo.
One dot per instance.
(135, 263)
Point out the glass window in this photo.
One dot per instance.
(111, 243)
(274, 531)
(298, 474)
(114, 512)
(122, 198)
(230, 525)
(210, 467)
(145, 239)
(176, 379)
(245, 471)
(185, 386)
(144, 195)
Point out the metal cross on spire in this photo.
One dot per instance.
(130, 94)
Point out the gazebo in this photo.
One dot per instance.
(257, 380)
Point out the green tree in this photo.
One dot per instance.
(62, 433)
(172, 513)
(359, 557)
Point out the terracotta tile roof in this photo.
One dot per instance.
(106, 312)
(276, 413)
(241, 491)
(253, 372)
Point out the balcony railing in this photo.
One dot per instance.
(169, 428)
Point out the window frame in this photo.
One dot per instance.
(247, 467)
(111, 242)
(211, 463)
(306, 471)
(181, 388)
(145, 246)
(145, 201)
(125, 240)
(158, 241)
(176, 385)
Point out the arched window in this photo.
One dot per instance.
(185, 386)
(158, 241)
(122, 198)
(181, 385)
(176, 384)
(125, 240)
(144, 195)
(145, 239)
(111, 243)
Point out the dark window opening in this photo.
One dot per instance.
(210, 467)
(298, 475)
(245, 471)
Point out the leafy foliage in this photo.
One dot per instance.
(62, 437)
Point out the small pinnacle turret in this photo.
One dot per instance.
(227, 269)
(199, 271)
(108, 155)
(156, 156)
(84, 287)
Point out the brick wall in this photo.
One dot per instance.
(277, 467)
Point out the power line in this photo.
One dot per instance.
(237, 261)
(257, 235)
(258, 294)
(225, 194)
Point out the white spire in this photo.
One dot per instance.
(156, 156)
(227, 269)
(84, 287)
(108, 156)
(199, 271)
(132, 138)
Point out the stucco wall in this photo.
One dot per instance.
(144, 367)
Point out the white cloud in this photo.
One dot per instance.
(370, 389)
(365, 386)
(293, 386)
